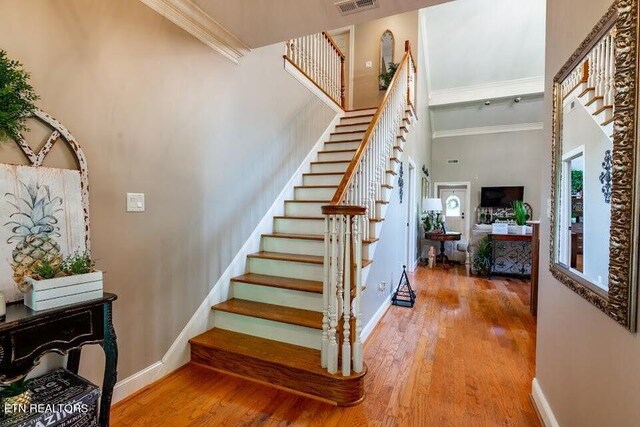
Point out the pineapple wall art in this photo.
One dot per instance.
(42, 218)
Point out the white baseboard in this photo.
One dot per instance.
(368, 328)
(179, 352)
(548, 419)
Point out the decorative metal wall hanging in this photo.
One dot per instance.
(425, 170)
(605, 176)
(401, 182)
(404, 296)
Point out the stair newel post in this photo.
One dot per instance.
(346, 299)
(324, 349)
(332, 354)
(357, 343)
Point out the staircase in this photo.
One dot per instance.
(592, 84)
(275, 328)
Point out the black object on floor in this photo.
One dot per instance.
(404, 296)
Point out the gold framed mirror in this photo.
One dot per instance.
(387, 52)
(594, 190)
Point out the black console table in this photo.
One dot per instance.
(26, 335)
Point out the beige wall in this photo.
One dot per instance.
(497, 159)
(586, 364)
(367, 48)
(210, 143)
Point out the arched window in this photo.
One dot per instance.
(452, 206)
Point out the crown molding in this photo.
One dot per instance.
(518, 127)
(199, 24)
(494, 90)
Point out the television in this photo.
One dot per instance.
(500, 197)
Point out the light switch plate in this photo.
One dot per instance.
(368, 64)
(135, 202)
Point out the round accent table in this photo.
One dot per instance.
(443, 237)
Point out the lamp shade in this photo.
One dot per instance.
(432, 205)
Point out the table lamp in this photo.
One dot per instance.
(433, 208)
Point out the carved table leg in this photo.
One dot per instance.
(73, 360)
(110, 348)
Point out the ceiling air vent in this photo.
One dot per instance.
(347, 7)
(453, 161)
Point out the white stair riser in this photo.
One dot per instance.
(303, 208)
(351, 120)
(360, 112)
(299, 226)
(296, 270)
(332, 179)
(346, 136)
(390, 178)
(396, 152)
(343, 155)
(386, 193)
(375, 228)
(329, 167)
(603, 116)
(379, 210)
(303, 246)
(315, 193)
(595, 106)
(393, 165)
(351, 127)
(292, 334)
(352, 145)
(278, 296)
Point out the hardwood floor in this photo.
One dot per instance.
(463, 356)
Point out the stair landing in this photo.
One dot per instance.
(286, 366)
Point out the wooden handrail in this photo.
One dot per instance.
(366, 139)
(333, 43)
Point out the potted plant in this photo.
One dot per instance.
(520, 215)
(63, 281)
(481, 262)
(387, 76)
(16, 98)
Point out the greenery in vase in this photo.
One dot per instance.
(576, 181)
(520, 212)
(387, 76)
(76, 263)
(17, 98)
(481, 262)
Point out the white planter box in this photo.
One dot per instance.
(51, 293)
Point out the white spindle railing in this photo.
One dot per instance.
(597, 71)
(347, 224)
(318, 57)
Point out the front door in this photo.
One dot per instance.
(455, 209)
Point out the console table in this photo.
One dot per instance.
(26, 335)
(517, 260)
(443, 237)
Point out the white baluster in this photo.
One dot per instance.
(325, 296)
(332, 356)
(346, 310)
(358, 364)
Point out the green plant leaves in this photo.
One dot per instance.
(17, 98)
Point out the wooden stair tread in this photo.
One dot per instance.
(349, 150)
(308, 201)
(323, 173)
(314, 218)
(594, 99)
(358, 116)
(312, 286)
(601, 109)
(397, 147)
(316, 186)
(606, 122)
(347, 132)
(330, 161)
(276, 313)
(401, 137)
(362, 109)
(283, 354)
(353, 124)
(392, 172)
(387, 186)
(584, 92)
(344, 140)
(319, 237)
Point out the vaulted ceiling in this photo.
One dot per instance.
(263, 22)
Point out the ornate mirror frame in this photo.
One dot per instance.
(620, 301)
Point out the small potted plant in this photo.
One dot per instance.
(63, 281)
(520, 216)
(481, 262)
